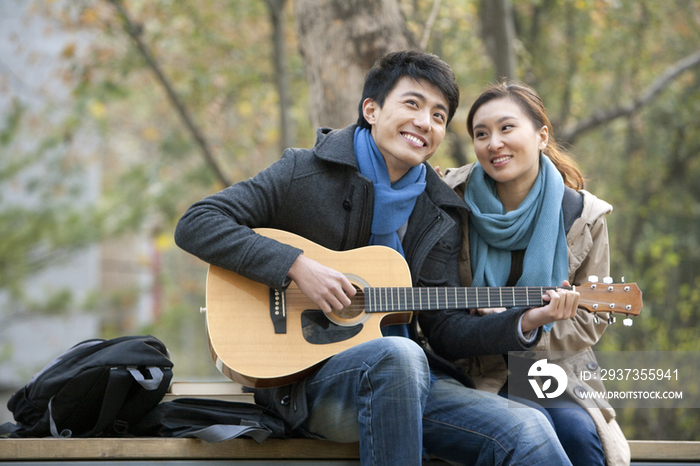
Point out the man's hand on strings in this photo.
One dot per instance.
(328, 288)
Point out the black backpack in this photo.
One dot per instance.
(96, 388)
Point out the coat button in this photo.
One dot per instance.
(580, 392)
(285, 400)
(592, 366)
(347, 205)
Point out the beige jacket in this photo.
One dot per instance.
(587, 241)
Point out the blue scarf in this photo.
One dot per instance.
(393, 204)
(537, 226)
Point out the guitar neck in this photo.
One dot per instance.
(383, 299)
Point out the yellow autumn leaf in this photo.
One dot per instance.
(164, 242)
(89, 16)
(97, 109)
(245, 108)
(68, 51)
(150, 133)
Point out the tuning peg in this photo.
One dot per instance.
(627, 322)
(612, 320)
(593, 278)
(608, 280)
(622, 280)
(596, 319)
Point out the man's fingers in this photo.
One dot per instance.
(328, 288)
(338, 294)
(349, 289)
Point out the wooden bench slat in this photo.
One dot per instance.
(271, 449)
(171, 448)
(664, 450)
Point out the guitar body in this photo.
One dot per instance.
(240, 328)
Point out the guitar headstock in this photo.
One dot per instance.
(618, 298)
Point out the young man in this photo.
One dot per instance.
(369, 184)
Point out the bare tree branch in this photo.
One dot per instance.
(429, 24)
(135, 31)
(601, 117)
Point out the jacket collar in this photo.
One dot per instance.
(336, 145)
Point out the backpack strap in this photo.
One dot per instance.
(151, 384)
(118, 385)
(65, 433)
(571, 206)
(13, 430)
(220, 432)
(8, 428)
(117, 388)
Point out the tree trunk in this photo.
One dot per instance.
(498, 34)
(276, 11)
(339, 41)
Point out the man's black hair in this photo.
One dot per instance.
(388, 70)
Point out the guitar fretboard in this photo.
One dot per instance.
(384, 299)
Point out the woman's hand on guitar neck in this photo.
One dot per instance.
(328, 288)
(562, 305)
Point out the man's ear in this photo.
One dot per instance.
(369, 110)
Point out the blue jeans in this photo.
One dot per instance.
(575, 428)
(473, 427)
(381, 394)
(374, 393)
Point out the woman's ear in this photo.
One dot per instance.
(544, 137)
(369, 110)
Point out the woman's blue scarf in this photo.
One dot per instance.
(393, 204)
(537, 226)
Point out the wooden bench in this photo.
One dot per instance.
(273, 451)
(51, 450)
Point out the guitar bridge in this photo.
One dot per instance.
(278, 310)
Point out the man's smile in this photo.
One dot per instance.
(414, 139)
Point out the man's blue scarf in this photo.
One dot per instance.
(537, 226)
(393, 203)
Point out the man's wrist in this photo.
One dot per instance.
(526, 336)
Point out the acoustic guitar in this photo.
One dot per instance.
(262, 337)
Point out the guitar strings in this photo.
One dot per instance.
(387, 299)
(522, 299)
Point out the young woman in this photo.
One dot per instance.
(532, 224)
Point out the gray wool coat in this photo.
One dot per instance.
(319, 194)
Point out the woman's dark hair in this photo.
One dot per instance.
(388, 70)
(531, 103)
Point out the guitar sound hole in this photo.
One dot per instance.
(318, 330)
(355, 309)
